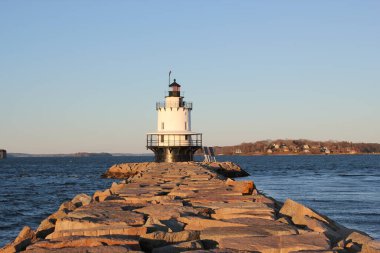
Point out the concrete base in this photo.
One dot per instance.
(174, 154)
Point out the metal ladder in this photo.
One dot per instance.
(209, 154)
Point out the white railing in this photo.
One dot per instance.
(186, 105)
(174, 140)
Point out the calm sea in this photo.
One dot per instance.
(346, 188)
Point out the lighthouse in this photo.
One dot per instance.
(174, 141)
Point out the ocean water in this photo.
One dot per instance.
(345, 188)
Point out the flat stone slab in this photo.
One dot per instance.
(167, 211)
(100, 231)
(100, 214)
(88, 241)
(197, 223)
(280, 244)
(218, 233)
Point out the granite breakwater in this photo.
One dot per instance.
(193, 207)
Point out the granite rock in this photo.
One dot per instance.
(26, 237)
(304, 216)
(277, 244)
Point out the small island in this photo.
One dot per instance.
(78, 154)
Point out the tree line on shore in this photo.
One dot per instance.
(300, 146)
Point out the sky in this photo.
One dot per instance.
(84, 76)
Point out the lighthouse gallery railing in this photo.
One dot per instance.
(186, 105)
(174, 140)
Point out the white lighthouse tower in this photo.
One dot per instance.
(174, 141)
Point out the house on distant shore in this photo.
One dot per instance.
(3, 154)
(325, 150)
(274, 146)
(284, 148)
(350, 151)
(306, 148)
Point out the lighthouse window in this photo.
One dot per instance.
(162, 125)
(162, 138)
(186, 137)
(185, 125)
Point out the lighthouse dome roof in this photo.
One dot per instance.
(174, 84)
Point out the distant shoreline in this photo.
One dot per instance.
(298, 154)
(298, 147)
(11, 155)
(75, 155)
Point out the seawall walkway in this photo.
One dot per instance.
(186, 207)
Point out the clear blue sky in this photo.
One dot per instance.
(85, 75)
